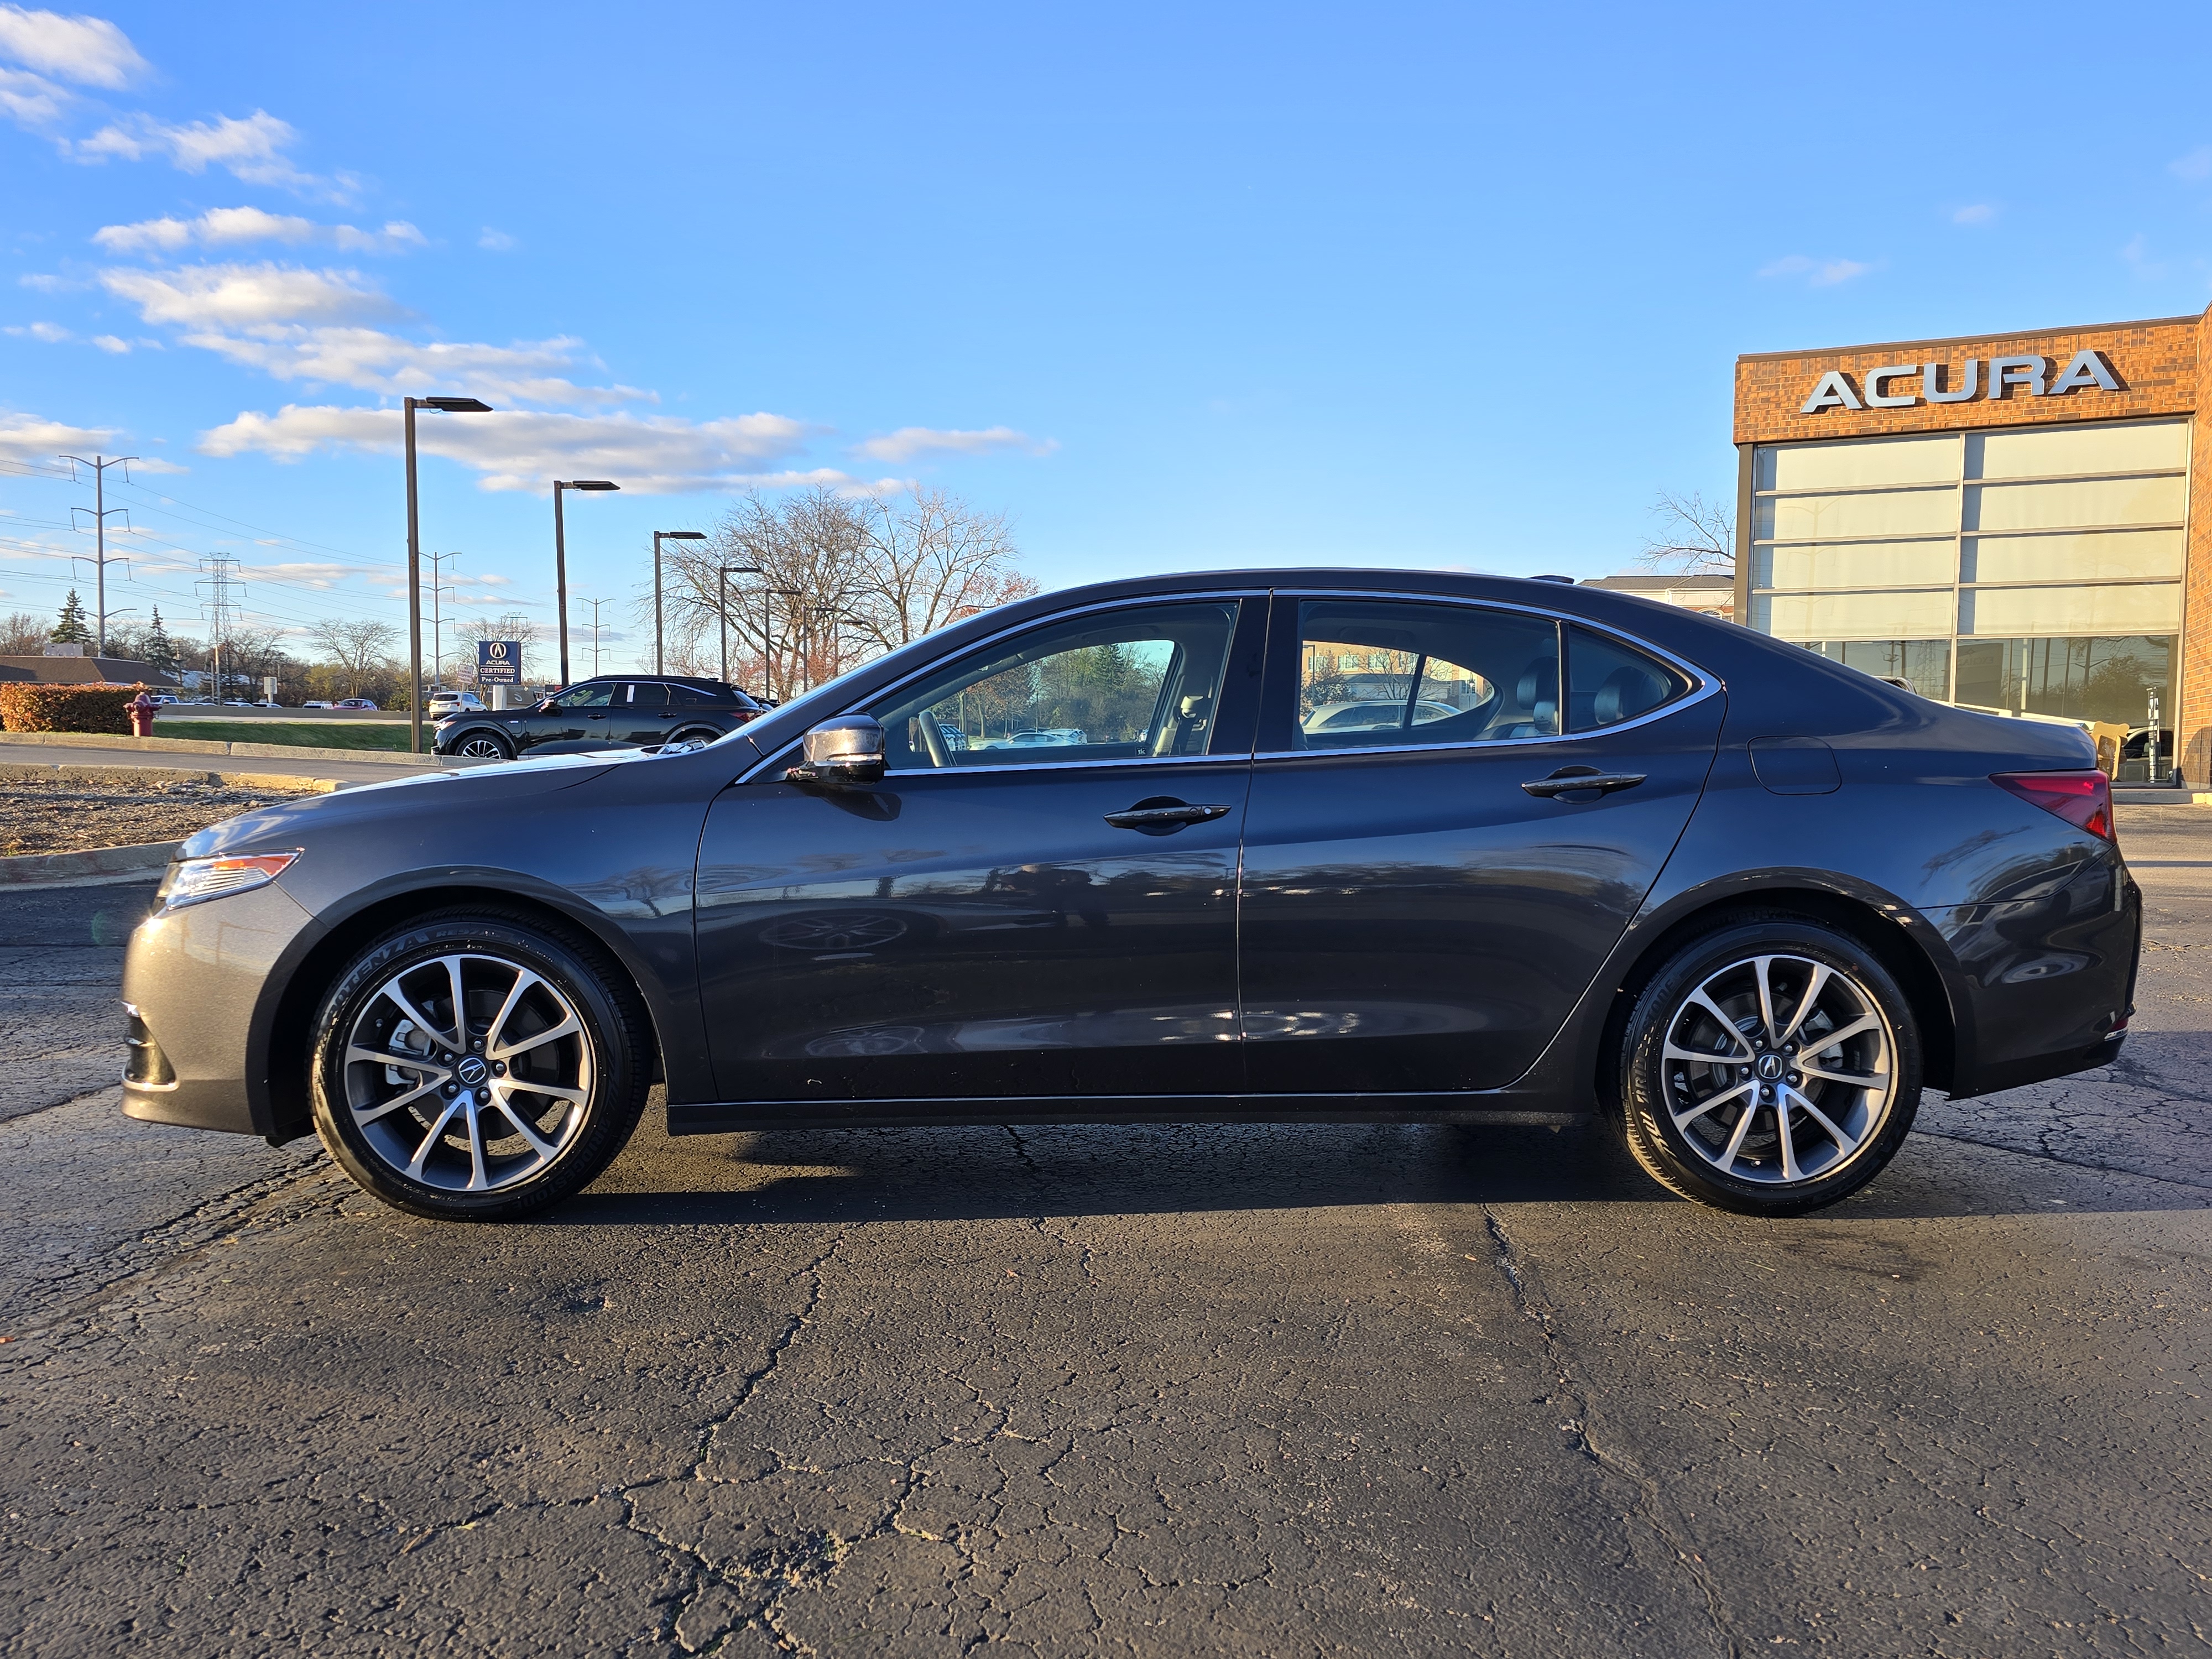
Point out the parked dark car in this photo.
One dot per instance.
(1743, 901)
(615, 711)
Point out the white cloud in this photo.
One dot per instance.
(295, 323)
(252, 149)
(246, 296)
(498, 241)
(51, 333)
(228, 227)
(110, 342)
(2196, 167)
(89, 50)
(30, 100)
(43, 281)
(1978, 213)
(27, 438)
(1817, 273)
(911, 441)
(525, 450)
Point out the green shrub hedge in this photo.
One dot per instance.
(28, 708)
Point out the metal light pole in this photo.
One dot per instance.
(722, 610)
(658, 536)
(444, 406)
(560, 560)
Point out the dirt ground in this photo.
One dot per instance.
(56, 815)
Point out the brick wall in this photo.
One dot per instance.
(2156, 364)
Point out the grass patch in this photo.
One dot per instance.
(306, 734)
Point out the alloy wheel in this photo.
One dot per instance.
(468, 1071)
(483, 747)
(1779, 1069)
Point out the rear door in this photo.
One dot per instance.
(641, 714)
(1427, 894)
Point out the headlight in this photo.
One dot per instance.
(194, 881)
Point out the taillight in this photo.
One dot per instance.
(2084, 799)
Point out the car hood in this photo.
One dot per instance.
(284, 826)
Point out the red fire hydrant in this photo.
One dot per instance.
(142, 708)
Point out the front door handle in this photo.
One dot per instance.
(595, 717)
(1166, 815)
(1569, 778)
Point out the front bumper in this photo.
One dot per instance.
(199, 984)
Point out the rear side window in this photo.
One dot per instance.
(1394, 673)
(1609, 682)
(648, 694)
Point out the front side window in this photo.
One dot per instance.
(585, 696)
(1134, 684)
(1382, 673)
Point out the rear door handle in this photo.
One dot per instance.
(1567, 781)
(1162, 818)
(595, 717)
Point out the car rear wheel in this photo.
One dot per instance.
(1771, 1069)
(484, 745)
(475, 1066)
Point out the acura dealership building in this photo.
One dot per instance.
(2013, 521)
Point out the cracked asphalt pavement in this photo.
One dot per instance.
(1181, 1390)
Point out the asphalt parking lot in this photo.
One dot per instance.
(1151, 1391)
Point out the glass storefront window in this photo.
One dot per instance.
(1926, 664)
(2117, 678)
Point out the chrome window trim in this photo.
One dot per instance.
(1240, 594)
(1703, 685)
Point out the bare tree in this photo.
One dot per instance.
(22, 635)
(361, 649)
(834, 581)
(1697, 538)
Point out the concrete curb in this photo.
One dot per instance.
(209, 746)
(95, 867)
(69, 772)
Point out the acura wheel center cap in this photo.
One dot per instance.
(472, 1071)
(1770, 1068)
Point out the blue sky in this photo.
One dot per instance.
(1172, 287)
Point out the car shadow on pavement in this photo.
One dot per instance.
(838, 1176)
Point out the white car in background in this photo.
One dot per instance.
(453, 702)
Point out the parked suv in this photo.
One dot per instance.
(615, 711)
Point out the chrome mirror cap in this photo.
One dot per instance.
(848, 749)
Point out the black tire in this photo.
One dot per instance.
(1815, 1134)
(484, 745)
(529, 1114)
(693, 734)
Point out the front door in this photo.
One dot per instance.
(994, 918)
(1417, 918)
(577, 713)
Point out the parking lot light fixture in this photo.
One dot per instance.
(409, 405)
(560, 557)
(658, 536)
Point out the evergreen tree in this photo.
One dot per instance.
(71, 629)
(159, 653)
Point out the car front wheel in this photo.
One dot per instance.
(476, 1067)
(484, 745)
(1772, 1069)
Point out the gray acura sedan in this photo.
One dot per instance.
(1579, 853)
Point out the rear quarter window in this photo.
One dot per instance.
(1609, 681)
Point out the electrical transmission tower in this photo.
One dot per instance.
(439, 587)
(595, 604)
(101, 511)
(222, 593)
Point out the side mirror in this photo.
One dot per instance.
(846, 750)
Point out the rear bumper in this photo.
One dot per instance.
(2047, 983)
(197, 981)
